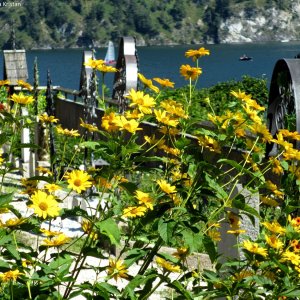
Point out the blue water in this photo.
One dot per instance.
(161, 61)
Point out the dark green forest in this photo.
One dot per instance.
(91, 23)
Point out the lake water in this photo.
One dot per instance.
(161, 61)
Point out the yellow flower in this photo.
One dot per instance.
(254, 248)
(30, 186)
(13, 222)
(195, 54)
(209, 143)
(167, 265)
(214, 234)
(148, 83)
(164, 82)
(94, 63)
(106, 69)
(243, 274)
(292, 257)
(166, 187)
(271, 186)
(67, 132)
(22, 99)
(135, 114)
(144, 198)
(163, 117)
(189, 72)
(59, 240)
(89, 127)
(276, 166)
(44, 205)
(241, 95)
(1, 159)
(52, 187)
(169, 130)
(274, 242)
(10, 275)
(289, 134)
(295, 222)
(262, 131)
(49, 233)
(25, 85)
(269, 201)
(274, 227)
(181, 253)
(108, 122)
(87, 227)
(143, 101)
(130, 125)
(134, 211)
(234, 223)
(4, 82)
(78, 180)
(174, 108)
(296, 245)
(117, 269)
(43, 170)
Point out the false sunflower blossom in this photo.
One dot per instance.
(254, 248)
(89, 127)
(134, 211)
(129, 125)
(268, 201)
(144, 199)
(195, 54)
(148, 83)
(94, 63)
(13, 222)
(117, 269)
(295, 222)
(44, 205)
(4, 82)
(106, 69)
(108, 122)
(174, 108)
(262, 131)
(22, 98)
(164, 82)
(189, 72)
(11, 275)
(276, 166)
(166, 187)
(209, 143)
(294, 135)
(274, 227)
(87, 227)
(52, 187)
(67, 132)
(78, 180)
(274, 242)
(234, 223)
(181, 253)
(44, 118)
(25, 85)
(134, 114)
(57, 241)
(292, 257)
(295, 244)
(241, 95)
(144, 102)
(49, 233)
(163, 117)
(167, 265)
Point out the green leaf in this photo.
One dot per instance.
(130, 187)
(210, 248)
(220, 192)
(110, 228)
(5, 199)
(11, 248)
(181, 289)
(294, 292)
(134, 255)
(166, 230)
(89, 144)
(241, 205)
(192, 240)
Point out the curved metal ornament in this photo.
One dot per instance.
(127, 76)
(284, 100)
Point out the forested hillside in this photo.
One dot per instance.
(91, 23)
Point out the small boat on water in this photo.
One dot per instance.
(245, 58)
(110, 58)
